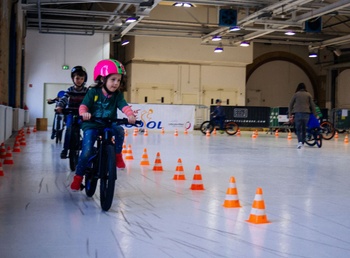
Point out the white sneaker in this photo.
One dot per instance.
(299, 145)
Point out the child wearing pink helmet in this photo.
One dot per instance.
(102, 100)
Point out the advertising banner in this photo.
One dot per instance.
(169, 117)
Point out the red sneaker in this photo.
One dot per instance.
(119, 161)
(75, 186)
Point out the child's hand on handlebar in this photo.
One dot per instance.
(132, 119)
(86, 116)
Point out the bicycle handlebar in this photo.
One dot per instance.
(118, 121)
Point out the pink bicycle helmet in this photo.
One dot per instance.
(108, 66)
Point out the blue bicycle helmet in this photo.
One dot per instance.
(60, 94)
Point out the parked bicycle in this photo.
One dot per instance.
(102, 164)
(75, 139)
(230, 127)
(58, 126)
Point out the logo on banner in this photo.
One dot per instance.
(146, 118)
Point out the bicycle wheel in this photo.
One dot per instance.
(231, 128)
(90, 182)
(310, 139)
(108, 177)
(74, 149)
(318, 138)
(327, 130)
(207, 125)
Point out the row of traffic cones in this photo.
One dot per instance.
(145, 132)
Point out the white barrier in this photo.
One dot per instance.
(18, 119)
(8, 122)
(169, 117)
(2, 123)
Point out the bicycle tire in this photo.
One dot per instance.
(318, 139)
(231, 128)
(328, 130)
(90, 182)
(207, 125)
(108, 177)
(310, 139)
(74, 149)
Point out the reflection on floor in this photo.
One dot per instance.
(305, 193)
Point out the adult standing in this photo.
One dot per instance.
(301, 106)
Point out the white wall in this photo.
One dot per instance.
(46, 53)
(343, 90)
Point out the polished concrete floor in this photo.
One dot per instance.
(305, 192)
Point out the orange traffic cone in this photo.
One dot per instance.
(1, 170)
(28, 130)
(135, 132)
(276, 133)
(16, 147)
(289, 136)
(257, 213)
(179, 172)
(2, 151)
(145, 133)
(162, 132)
(126, 133)
(214, 131)
(207, 133)
(185, 132)
(254, 135)
(144, 158)
(129, 155)
(34, 129)
(346, 139)
(336, 136)
(176, 133)
(8, 159)
(124, 150)
(22, 141)
(197, 183)
(158, 164)
(238, 132)
(231, 199)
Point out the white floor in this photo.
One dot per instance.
(306, 194)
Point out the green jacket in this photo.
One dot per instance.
(100, 105)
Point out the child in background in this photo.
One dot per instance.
(72, 99)
(55, 101)
(103, 100)
(219, 114)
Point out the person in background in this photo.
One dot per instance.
(219, 114)
(71, 100)
(55, 101)
(103, 100)
(301, 105)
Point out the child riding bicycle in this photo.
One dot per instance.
(103, 100)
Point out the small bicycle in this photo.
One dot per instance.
(75, 139)
(230, 127)
(314, 137)
(102, 164)
(58, 126)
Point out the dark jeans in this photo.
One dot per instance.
(301, 120)
(89, 140)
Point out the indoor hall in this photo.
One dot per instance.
(305, 192)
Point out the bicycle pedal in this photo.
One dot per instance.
(82, 187)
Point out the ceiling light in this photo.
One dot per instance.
(219, 49)
(131, 19)
(180, 4)
(290, 33)
(216, 38)
(234, 28)
(245, 44)
(125, 42)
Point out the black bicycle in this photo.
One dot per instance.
(102, 164)
(58, 126)
(314, 137)
(230, 127)
(75, 139)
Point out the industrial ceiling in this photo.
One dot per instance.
(317, 24)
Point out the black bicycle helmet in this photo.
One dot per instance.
(79, 70)
(218, 101)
